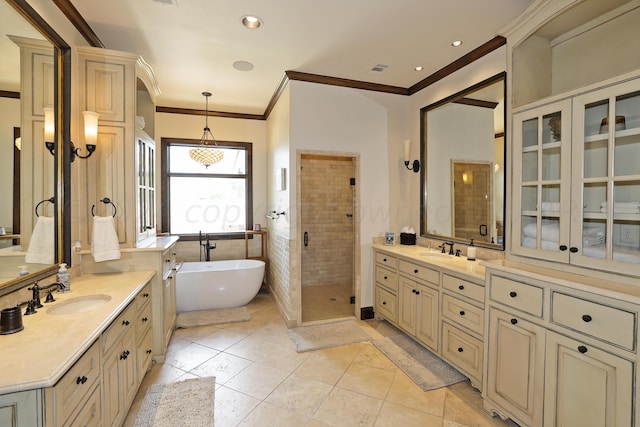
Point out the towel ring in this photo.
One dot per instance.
(106, 201)
(50, 200)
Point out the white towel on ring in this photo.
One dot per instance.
(104, 244)
(42, 243)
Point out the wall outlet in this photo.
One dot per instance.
(628, 234)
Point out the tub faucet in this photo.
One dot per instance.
(207, 246)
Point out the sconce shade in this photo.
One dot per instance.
(90, 127)
(49, 125)
(407, 149)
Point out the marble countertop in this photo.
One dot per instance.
(474, 269)
(50, 344)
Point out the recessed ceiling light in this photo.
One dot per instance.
(251, 22)
(456, 43)
(418, 68)
(243, 66)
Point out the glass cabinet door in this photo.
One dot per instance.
(606, 163)
(542, 163)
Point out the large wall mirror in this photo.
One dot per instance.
(32, 184)
(463, 148)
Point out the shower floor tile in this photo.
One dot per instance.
(320, 302)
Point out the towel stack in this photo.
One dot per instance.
(104, 245)
(622, 207)
(550, 235)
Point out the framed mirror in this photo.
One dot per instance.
(32, 78)
(463, 148)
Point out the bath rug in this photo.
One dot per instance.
(194, 319)
(425, 369)
(314, 337)
(184, 403)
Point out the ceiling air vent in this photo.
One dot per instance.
(379, 68)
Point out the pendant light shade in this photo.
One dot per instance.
(205, 153)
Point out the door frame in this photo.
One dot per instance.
(357, 276)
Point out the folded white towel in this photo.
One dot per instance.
(104, 245)
(621, 210)
(551, 231)
(546, 245)
(550, 206)
(42, 243)
(624, 205)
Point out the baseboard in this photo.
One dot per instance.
(366, 313)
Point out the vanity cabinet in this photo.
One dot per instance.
(21, 409)
(386, 287)
(418, 311)
(561, 350)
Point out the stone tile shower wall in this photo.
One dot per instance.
(327, 203)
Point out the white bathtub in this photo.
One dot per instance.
(217, 284)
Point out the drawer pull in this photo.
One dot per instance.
(461, 287)
(460, 349)
(514, 321)
(81, 380)
(149, 351)
(145, 319)
(384, 259)
(124, 355)
(582, 349)
(167, 261)
(461, 312)
(384, 303)
(125, 323)
(573, 249)
(170, 277)
(417, 292)
(513, 294)
(415, 271)
(386, 278)
(587, 318)
(146, 295)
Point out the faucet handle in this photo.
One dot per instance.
(31, 308)
(49, 297)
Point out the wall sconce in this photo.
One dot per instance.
(90, 133)
(407, 161)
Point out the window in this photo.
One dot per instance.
(214, 200)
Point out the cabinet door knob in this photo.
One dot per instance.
(385, 277)
(563, 247)
(384, 259)
(582, 349)
(144, 319)
(573, 249)
(514, 321)
(417, 292)
(149, 351)
(384, 303)
(460, 349)
(587, 318)
(461, 312)
(461, 287)
(513, 294)
(146, 295)
(415, 271)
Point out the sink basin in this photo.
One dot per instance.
(435, 254)
(79, 304)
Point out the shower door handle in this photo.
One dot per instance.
(306, 239)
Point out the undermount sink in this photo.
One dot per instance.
(79, 304)
(435, 254)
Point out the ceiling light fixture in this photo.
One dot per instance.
(251, 22)
(204, 153)
(456, 43)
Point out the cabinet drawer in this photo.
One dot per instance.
(145, 354)
(143, 321)
(463, 313)
(386, 304)
(385, 259)
(527, 298)
(419, 272)
(463, 287)
(124, 322)
(90, 414)
(168, 261)
(77, 383)
(387, 278)
(603, 322)
(143, 296)
(462, 350)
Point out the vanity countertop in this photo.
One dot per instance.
(49, 345)
(461, 264)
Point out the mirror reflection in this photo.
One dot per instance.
(463, 148)
(27, 169)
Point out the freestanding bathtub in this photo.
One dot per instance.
(217, 284)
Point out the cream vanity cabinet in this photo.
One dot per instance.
(386, 287)
(118, 86)
(558, 355)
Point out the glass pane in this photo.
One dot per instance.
(529, 232)
(595, 158)
(551, 163)
(628, 111)
(530, 133)
(595, 198)
(594, 238)
(210, 205)
(627, 155)
(550, 200)
(530, 166)
(596, 117)
(626, 224)
(529, 198)
(551, 127)
(234, 161)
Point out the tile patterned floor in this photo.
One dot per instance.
(320, 302)
(262, 381)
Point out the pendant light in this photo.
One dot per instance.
(205, 154)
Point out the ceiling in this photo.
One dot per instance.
(192, 44)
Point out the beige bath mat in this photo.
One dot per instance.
(194, 319)
(184, 403)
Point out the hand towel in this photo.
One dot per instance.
(42, 243)
(104, 245)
